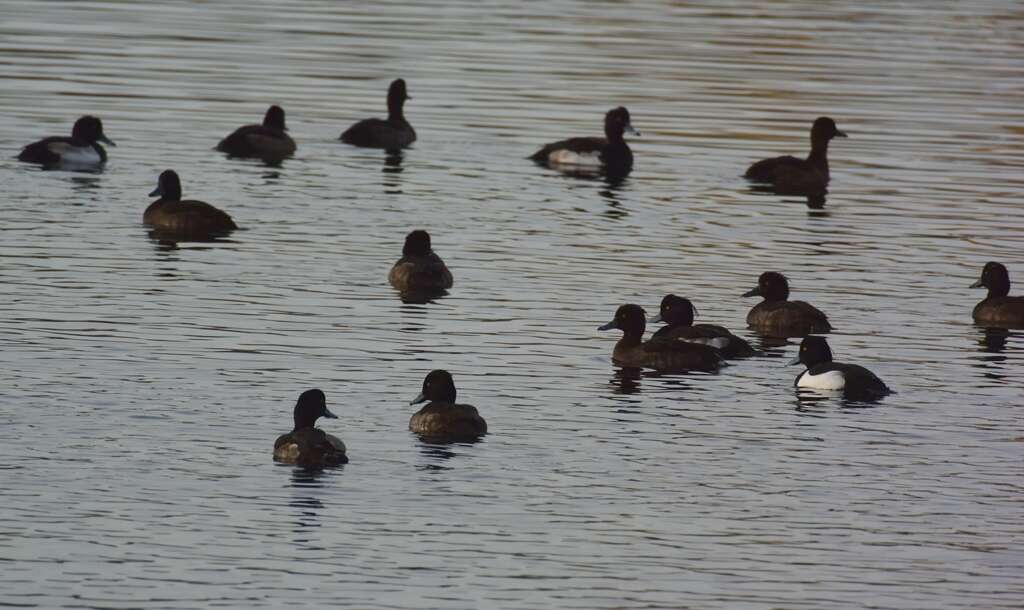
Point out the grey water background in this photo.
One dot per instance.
(143, 385)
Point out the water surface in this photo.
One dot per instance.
(144, 383)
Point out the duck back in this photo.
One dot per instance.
(187, 217)
(310, 447)
(554, 152)
(711, 335)
(389, 134)
(448, 422)
(788, 173)
(257, 141)
(855, 381)
(788, 318)
(1006, 311)
(586, 151)
(57, 150)
(420, 273)
(667, 355)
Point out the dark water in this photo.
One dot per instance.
(143, 385)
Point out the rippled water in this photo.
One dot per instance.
(143, 385)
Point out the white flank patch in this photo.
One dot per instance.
(829, 380)
(80, 156)
(288, 452)
(715, 342)
(568, 157)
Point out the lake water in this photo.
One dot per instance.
(143, 384)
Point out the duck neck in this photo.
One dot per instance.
(682, 322)
(171, 193)
(997, 291)
(304, 421)
(819, 156)
(395, 111)
(631, 338)
(615, 135)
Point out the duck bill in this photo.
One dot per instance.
(629, 129)
(106, 140)
(657, 318)
(328, 414)
(607, 326)
(756, 292)
(841, 134)
(795, 360)
(421, 398)
(157, 192)
(977, 284)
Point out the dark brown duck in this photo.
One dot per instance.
(998, 309)
(442, 419)
(420, 269)
(267, 141)
(677, 313)
(307, 445)
(666, 355)
(172, 216)
(793, 175)
(777, 316)
(393, 133)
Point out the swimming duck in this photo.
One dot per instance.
(775, 316)
(855, 381)
(442, 420)
(268, 141)
(419, 269)
(790, 174)
(393, 133)
(678, 314)
(306, 445)
(610, 153)
(665, 355)
(188, 218)
(82, 149)
(998, 309)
